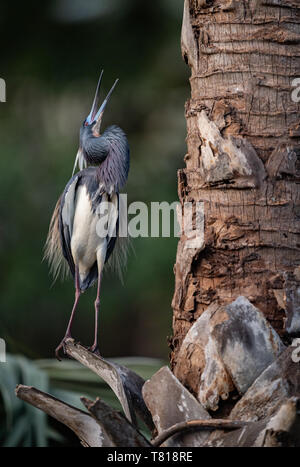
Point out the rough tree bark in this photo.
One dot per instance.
(243, 162)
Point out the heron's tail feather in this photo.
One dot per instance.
(52, 250)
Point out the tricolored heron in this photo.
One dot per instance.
(73, 240)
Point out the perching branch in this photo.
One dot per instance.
(126, 384)
(194, 425)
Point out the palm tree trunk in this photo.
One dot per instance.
(243, 161)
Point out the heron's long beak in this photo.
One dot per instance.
(80, 160)
(95, 116)
(99, 115)
(92, 114)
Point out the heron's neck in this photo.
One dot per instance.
(113, 171)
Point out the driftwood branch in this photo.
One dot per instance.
(101, 427)
(81, 423)
(119, 429)
(126, 384)
(194, 425)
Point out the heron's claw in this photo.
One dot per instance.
(62, 345)
(95, 349)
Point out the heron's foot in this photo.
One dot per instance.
(95, 349)
(62, 346)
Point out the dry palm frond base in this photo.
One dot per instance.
(265, 413)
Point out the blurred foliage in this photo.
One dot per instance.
(24, 425)
(51, 55)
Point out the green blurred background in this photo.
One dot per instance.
(51, 56)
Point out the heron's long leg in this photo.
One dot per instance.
(95, 347)
(68, 331)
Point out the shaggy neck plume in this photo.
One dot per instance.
(109, 153)
(113, 171)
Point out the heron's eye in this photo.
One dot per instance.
(85, 123)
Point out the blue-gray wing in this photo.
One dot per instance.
(66, 218)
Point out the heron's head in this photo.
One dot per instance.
(90, 129)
